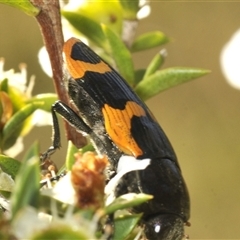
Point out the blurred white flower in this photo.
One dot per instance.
(29, 222)
(6, 182)
(68, 32)
(67, 195)
(18, 79)
(230, 59)
(5, 203)
(42, 118)
(145, 9)
(22, 89)
(72, 5)
(44, 61)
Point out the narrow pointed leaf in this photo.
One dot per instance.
(121, 55)
(123, 226)
(46, 99)
(155, 64)
(6, 108)
(86, 26)
(167, 78)
(70, 159)
(9, 165)
(26, 190)
(127, 201)
(86, 148)
(4, 85)
(25, 6)
(17, 98)
(149, 40)
(18, 118)
(139, 73)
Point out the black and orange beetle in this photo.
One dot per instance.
(121, 127)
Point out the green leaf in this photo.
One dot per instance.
(26, 190)
(70, 159)
(127, 201)
(86, 148)
(46, 100)
(139, 73)
(124, 225)
(88, 27)
(9, 165)
(63, 232)
(17, 98)
(3, 88)
(155, 64)
(8, 170)
(1, 107)
(130, 9)
(121, 55)
(12, 126)
(167, 78)
(149, 40)
(25, 6)
(4, 85)
(6, 195)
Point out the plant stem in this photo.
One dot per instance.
(49, 20)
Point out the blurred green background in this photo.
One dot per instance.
(201, 118)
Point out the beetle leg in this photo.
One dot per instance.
(71, 117)
(101, 143)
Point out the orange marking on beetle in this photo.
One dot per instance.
(118, 126)
(78, 68)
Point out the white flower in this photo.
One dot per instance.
(44, 61)
(28, 222)
(22, 88)
(230, 58)
(72, 5)
(145, 9)
(18, 79)
(62, 191)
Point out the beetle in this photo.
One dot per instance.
(122, 127)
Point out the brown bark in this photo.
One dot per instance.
(49, 20)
